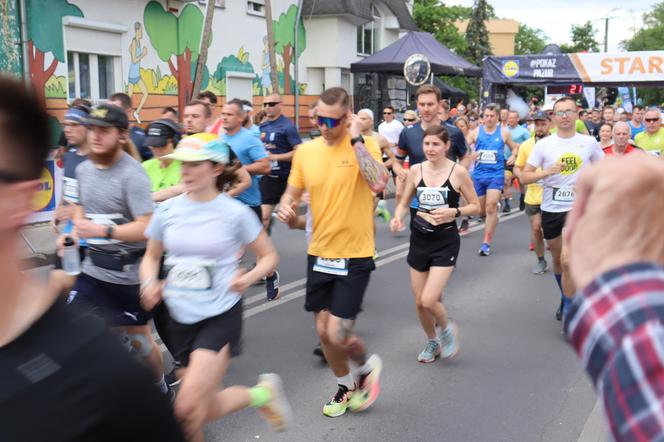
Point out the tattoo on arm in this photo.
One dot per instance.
(373, 172)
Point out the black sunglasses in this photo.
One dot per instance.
(271, 104)
(652, 120)
(410, 120)
(387, 113)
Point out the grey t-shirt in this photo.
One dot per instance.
(114, 196)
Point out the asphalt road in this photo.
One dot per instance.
(515, 379)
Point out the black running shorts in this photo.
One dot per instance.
(272, 188)
(210, 334)
(118, 305)
(341, 295)
(552, 224)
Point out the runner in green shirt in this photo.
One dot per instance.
(163, 173)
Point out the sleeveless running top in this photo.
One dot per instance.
(431, 198)
(490, 147)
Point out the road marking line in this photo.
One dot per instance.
(253, 311)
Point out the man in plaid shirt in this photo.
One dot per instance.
(615, 324)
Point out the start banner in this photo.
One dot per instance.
(587, 68)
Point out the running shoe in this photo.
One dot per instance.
(171, 378)
(464, 225)
(531, 247)
(506, 207)
(383, 213)
(485, 249)
(430, 353)
(541, 267)
(278, 411)
(338, 404)
(449, 340)
(559, 312)
(368, 386)
(318, 351)
(272, 286)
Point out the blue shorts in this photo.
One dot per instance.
(118, 305)
(487, 182)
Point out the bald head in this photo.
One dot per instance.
(272, 106)
(621, 135)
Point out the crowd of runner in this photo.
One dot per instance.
(163, 219)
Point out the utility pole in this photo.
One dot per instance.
(203, 51)
(606, 34)
(270, 47)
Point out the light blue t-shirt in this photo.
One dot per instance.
(519, 135)
(248, 148)
(210, 232)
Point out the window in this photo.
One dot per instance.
(217, 3)
(91, 76)
(367, 34)
(256, 7)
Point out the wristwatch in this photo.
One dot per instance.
(357, 139)
(458, 213)
(109, 232)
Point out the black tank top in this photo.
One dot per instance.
(430, 198)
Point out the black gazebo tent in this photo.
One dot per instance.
(378, 79)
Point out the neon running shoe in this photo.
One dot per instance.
(449, 340)
(368, 386)
(430, 353)
(338, 404)
(485, 249)
(278, 411)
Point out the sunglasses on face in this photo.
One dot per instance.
(330, 122)
(271, 104)
(652, 120)
(387, 113)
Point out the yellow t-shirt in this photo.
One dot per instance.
(652, 144)
(341, 201)
(534, 191)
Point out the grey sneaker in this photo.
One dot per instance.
(430, 353)
(540, 268)
(449, 340)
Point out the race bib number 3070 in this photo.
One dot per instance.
(431, 198)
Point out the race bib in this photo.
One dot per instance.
(70, 186)
(487, 157)
(334, 266)
(563, 194)
(189, 276)
(431, 198)
(655, 153)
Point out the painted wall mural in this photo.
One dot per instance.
(44, 19)
(10, 51)
(284, 37)
(176, 36)
(137, 52)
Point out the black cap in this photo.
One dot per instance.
(159, 132)
(541, 115)
(108, 115)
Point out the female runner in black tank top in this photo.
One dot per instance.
(434, 241)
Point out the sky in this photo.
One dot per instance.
(556, 17)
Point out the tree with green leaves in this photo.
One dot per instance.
(649, 38)
(178, 36)
(477, 36)
(583, 39)
(529, 40)
(45, 35)
(284, 37)
(439, 20)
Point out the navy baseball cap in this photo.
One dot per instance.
(108, 115)
(540, 115)
(159, 132)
